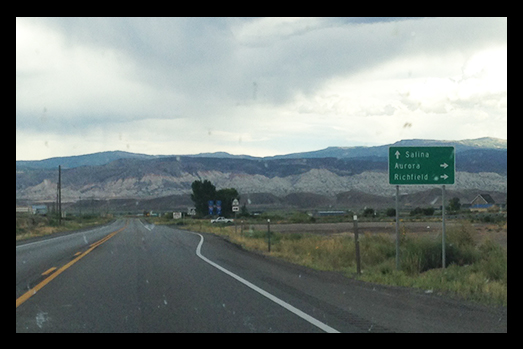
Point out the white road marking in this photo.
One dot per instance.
(148, 226)
(67, 236)
(273, 298)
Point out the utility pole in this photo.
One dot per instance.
(59, 195)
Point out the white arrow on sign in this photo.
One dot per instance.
(444, 165)
(397, 153)
(444, 176)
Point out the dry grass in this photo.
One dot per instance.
(477, 266)
(30, 226)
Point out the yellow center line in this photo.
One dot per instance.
(48, 271)
(32, 292)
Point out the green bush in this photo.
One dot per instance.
(461, 236)
(301, 217)
(493, 261)
(419, 255)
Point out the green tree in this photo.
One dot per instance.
(244, 212)
(391, 212)
(429, 211)
(418, 211)
(368, 212)
(454, 205)
(202, 192)
(226, 196)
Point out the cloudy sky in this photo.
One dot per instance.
(257, 86)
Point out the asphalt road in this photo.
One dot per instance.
(134, 277)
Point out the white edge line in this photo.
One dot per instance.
(273, 298)
(144, 225)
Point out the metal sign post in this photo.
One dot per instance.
(357, 245)
(397, 229)
(235, 209)
(422, 166)
(443, 226)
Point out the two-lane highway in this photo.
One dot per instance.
(134, 277)
(44, 256)
(150, 279)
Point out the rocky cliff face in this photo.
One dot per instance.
(318, 181)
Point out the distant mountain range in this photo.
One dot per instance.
(95, 159)
(102, 158)
(481, 165)
(382, 151)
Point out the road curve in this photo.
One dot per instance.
(134, 277)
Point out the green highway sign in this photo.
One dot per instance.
(422, 165)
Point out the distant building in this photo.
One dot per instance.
(34, 209)
(23, 209)
(39, 209)
(330, 213)
(482, 203)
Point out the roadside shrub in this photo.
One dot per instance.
(461, 255)
(419, 255)
(460, 247)
(301, 217)
(376, 249)
(493, 261)
(461, 236)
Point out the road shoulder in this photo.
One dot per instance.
(363, 305)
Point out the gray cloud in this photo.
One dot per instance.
(75, 74)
